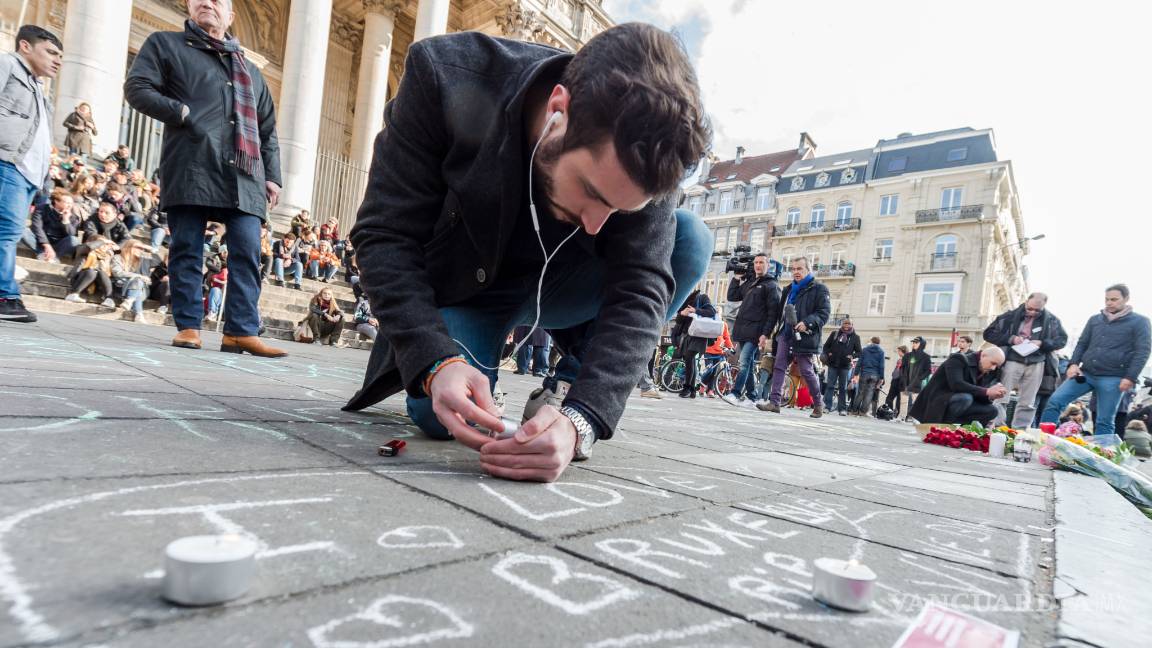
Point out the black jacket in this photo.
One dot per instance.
(813, 307)
(445, 192)
(48, 227)
(915, 367)
(685, 343)
(1117, 348)
(759, 299)
(127, 207)
(196, 165)
(840, 354)
(959, 374)
(1050, 335)
(114, 231)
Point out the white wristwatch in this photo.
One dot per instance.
(585, 435)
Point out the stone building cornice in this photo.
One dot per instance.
(519, 23)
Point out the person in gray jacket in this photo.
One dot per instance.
(25, 149)
(1108, 359)
(515, 183)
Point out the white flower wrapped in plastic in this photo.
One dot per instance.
(1133, 485)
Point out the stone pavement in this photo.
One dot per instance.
(697, 525)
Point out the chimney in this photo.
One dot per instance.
(705, 168)
(739, 154)
(807, 148)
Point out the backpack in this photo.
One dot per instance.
(885, 413)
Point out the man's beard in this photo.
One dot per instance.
(543, 165)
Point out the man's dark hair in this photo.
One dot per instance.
(1120, 288)
(967, 339)
(33, 34)
(760, 254)
(633, 85)
(875, 340)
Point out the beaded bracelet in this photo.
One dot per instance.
(436, 367)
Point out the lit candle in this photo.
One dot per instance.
(207, 570)
(843, 584)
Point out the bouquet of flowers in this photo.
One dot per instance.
(1076, 454)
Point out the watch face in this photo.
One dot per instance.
(586, 441)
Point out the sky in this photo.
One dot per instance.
(1062, 84)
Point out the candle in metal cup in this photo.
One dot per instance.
(847, 585)
(1022, 448)
(208, 570)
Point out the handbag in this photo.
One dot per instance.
(303, 332)
(705, 327)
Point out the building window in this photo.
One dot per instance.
(837, 260)
(721, 235)
(733, 236)
(938, 298)
(725, 202)
(958, 154)
(817, 219)
(889, 204)
(822, 180)
(848, 176)
(813, 254)
(763, 198)
(696, 205)
(797, 183)
(786, 259)
(843, 214)
(793, 218)
(951, 198)
(898, 163)
(883, 249)
(756, 236)
(877, 296)
(946, 244)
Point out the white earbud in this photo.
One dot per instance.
(552, 119)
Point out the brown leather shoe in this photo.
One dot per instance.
(187, 339)
(251, 344)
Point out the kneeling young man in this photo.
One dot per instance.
(515, 184)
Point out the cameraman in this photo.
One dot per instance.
(760, 301)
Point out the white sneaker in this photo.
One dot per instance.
(108, 303)
(651, 393)
(127, 304)
(748, 403)
(541, 397)
(163, 310)
(210, 317)
(74, 298)
(731, 399)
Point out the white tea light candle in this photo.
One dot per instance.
(997, 441)
(207, 570)
(847, 585)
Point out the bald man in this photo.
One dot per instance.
(962, 389)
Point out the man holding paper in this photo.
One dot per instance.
(1028, 334)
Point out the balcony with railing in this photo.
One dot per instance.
(830, 227)
(943, 261)
(836, 271)
(837, 319)
(949, 214)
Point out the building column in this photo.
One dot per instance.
(372, 86)
(301, 100)
(431, 18)
(94, 66)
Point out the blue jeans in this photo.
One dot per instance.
(837, 380)
(746, 379)
(572, 297)
(215, 299)
(15, 202)
(186, 259)
(296, 269)
(1108, 394)
(711, 361)
(137, 294)
(157, 236)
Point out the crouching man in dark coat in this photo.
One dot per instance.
(962, 389)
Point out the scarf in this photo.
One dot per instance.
(797, 286)
(1112, 317)
(247, 133)
(842, 336)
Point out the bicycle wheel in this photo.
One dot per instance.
(672, 376)
(723, 377)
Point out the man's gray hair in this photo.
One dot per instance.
(800, 259)
(1038, 295)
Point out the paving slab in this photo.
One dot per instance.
(990, 489)
(522, 598)
(315, 529)
(761, 568)
(714, 486)
(780, 467)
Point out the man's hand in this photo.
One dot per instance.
(540, 451)
(997, 391)
(1016, 339)
(461, 394)
(688, 311)
(802, 327)
(763, 341)
(49, 253)
(1073, 371)
(272, 190)
(1125, 385)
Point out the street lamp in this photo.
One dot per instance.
(1023, 241)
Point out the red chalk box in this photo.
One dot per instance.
(940, 627)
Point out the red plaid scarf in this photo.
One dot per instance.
(247, 132)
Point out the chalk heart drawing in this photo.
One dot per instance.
(419, 537)
(415, 622)
(610, 591)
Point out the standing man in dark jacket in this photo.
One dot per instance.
(492, 201)
(1029, 326)
(25, 149)
(840, 349)
(759, 298)
(962, 389)
(869, 376)
(220, 162)
(1108, 359)
(916, 366)
(804, 310)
